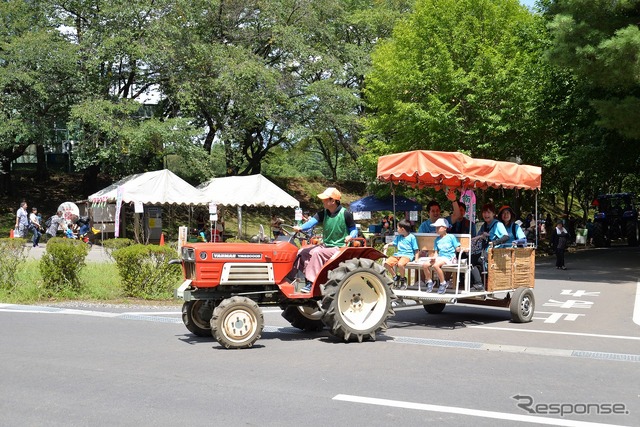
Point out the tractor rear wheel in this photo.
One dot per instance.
(196, 315)
(237, 322)
(357, 300)
(304, 317)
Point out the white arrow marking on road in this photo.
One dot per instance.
(636, 307)
(572, 303)
(579, 293)
(554, 317)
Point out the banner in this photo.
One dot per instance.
(119, 193)
(357, 216)
(468, 197)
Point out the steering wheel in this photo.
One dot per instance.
(292, 234)
(287, 230)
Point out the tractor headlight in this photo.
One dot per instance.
(188, 254)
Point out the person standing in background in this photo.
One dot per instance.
(560, 241)
(276, 222)
(34, 225)
(57, 222)
(22, 221)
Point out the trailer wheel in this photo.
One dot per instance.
(522, 305)
(434, 308)
(237, 322)
(357, 300)
(196, 315)
(304, 317)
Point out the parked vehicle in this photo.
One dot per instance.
(616, 218)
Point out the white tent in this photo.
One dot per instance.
(250, 190)
(156, 188)
(150, 188)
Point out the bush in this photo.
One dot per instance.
(145, 270)
(13, 252)
(61, 264)
(112, 245)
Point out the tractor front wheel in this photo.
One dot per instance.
(357, 300)
(237, 322)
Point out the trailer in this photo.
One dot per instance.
(510, 275)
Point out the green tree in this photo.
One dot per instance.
(113, 76)
(599, 43)
(266, 74)
(118, 141)
(37, 76)
(459, 75)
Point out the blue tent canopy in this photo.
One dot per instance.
(373, 204)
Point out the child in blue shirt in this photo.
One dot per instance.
(445, 246)
(407, 248)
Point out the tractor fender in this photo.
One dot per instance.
(344, 254)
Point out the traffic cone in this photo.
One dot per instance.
(11, 234)
(161, 239)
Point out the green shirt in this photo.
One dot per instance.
(334, 229)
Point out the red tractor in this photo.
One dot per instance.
(227, 283)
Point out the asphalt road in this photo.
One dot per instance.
(577, 363)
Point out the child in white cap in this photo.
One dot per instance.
(445, 247)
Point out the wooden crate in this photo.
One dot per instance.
(524, 267)
(511, 268)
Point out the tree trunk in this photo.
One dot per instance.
(90, 181)
(5, 177)
(41, 167)
(208, 140)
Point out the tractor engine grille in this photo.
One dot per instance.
(247, 273)
(189, 270)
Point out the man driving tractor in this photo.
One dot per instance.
(338, 228)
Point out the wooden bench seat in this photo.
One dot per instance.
(426, 242)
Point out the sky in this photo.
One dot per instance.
(528, 3)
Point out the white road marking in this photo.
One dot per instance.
(537, 331)
(465, 411)
(14, 308)
(636, 307)
(151, 313)
(10, 308)
(555, 317)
